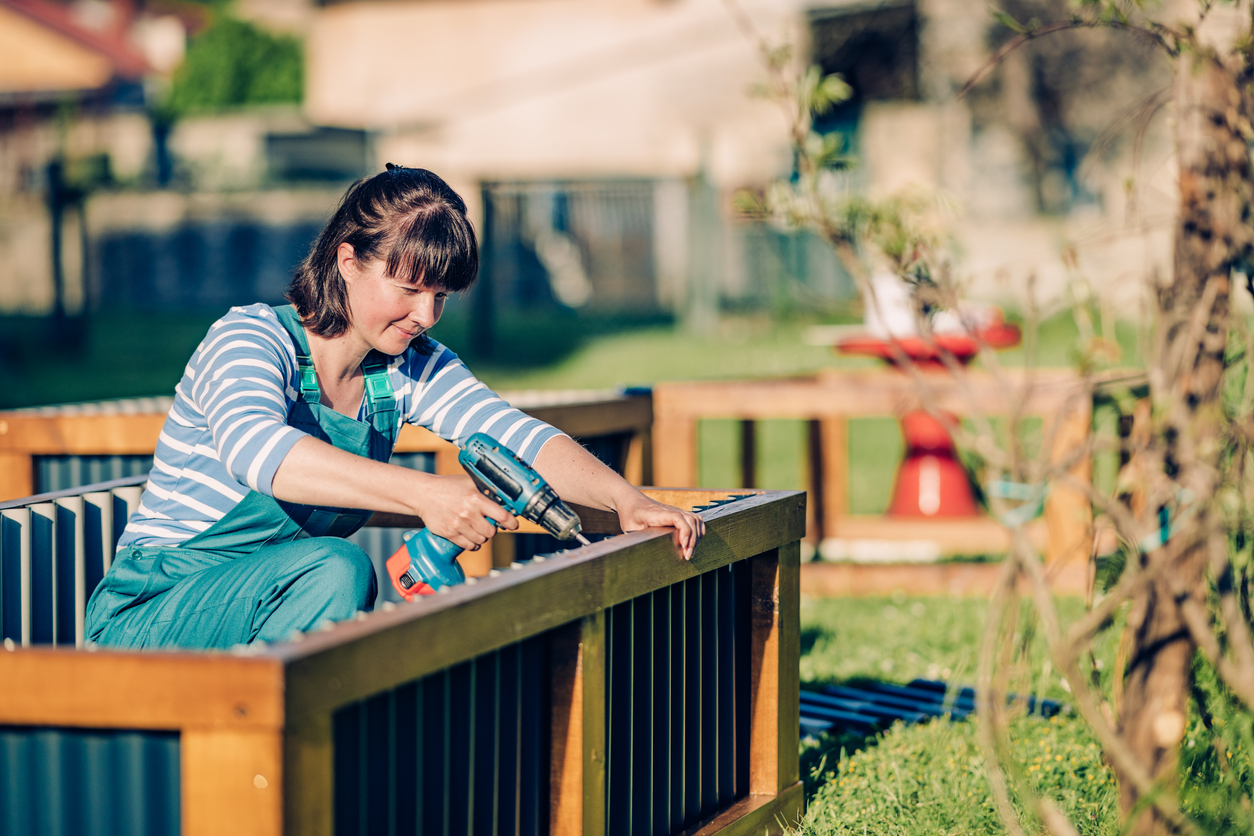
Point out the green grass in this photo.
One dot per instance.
(930, 779)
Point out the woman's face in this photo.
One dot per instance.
(387, 313)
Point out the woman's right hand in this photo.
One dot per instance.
(452, 507)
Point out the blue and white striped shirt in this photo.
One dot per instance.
(227, 431)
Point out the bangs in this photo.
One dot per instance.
(436, 248)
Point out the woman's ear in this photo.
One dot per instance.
(346, 260)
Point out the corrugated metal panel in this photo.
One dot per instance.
(678, 704)
(60, 473)
(73, 782)
(874, 706)
(53, 552)
(464, 751)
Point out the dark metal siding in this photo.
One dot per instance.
(60, 473)
(465, 750)
(74, 782)
(678, 703)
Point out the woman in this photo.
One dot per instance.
(277, 444)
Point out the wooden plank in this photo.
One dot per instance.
(504, 550)
(775, 683)
(17, 475)
(765, 674)
(150, 690)
(1068, 514)
(788, 693)
(477, 564)
(566, 725)
(593, 661)
(104, 435)
(577, 776)
(674, 449)
(391, 646)
(413, 439)
(232, 782)
(638, 463)
(755, 815)
(309, 777)
(834, 454)
(861, 393)
(840, 580)
(951, 535)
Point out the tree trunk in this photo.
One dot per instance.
(1213, 230)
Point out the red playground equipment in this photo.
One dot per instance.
(930, 481)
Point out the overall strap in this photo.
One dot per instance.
(380, 399)
(308, 377)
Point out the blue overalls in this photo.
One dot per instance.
(268, 568)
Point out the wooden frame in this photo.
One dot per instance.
(121, 429)
(827, 400)
(256, 741)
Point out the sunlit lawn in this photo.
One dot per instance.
(930, 779)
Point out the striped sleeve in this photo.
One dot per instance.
(238, 380)
(438, 392)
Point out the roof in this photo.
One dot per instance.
(47, 47)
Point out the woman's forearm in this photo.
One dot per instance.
(580, 477)
(316, 473)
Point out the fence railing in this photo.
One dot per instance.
(53, 448)
(612, 689)
(49, 449)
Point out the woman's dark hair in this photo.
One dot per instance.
(407, 216)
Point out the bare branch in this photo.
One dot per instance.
(1155, 34)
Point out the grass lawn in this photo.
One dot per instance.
(930, 779)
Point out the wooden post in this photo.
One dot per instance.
(638, 464)
(17, 475)
(1068, 514)
(774, 711)
(675, 451)
(827, 477)
(577, 776)
(232, 782)
(309, 776)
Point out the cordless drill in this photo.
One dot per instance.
(428, 562)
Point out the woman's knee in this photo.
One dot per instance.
(343, 566)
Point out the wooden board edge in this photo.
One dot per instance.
(106, 689)
(756, 814)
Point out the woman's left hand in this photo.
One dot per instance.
(643, 512)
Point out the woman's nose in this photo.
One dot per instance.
(424, 311)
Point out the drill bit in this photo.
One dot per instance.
(583, 540)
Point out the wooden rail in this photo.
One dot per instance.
(827, 400)
(268, 735)
(130, 428)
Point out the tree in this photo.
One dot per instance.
(234, 64)
(1182, 513)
